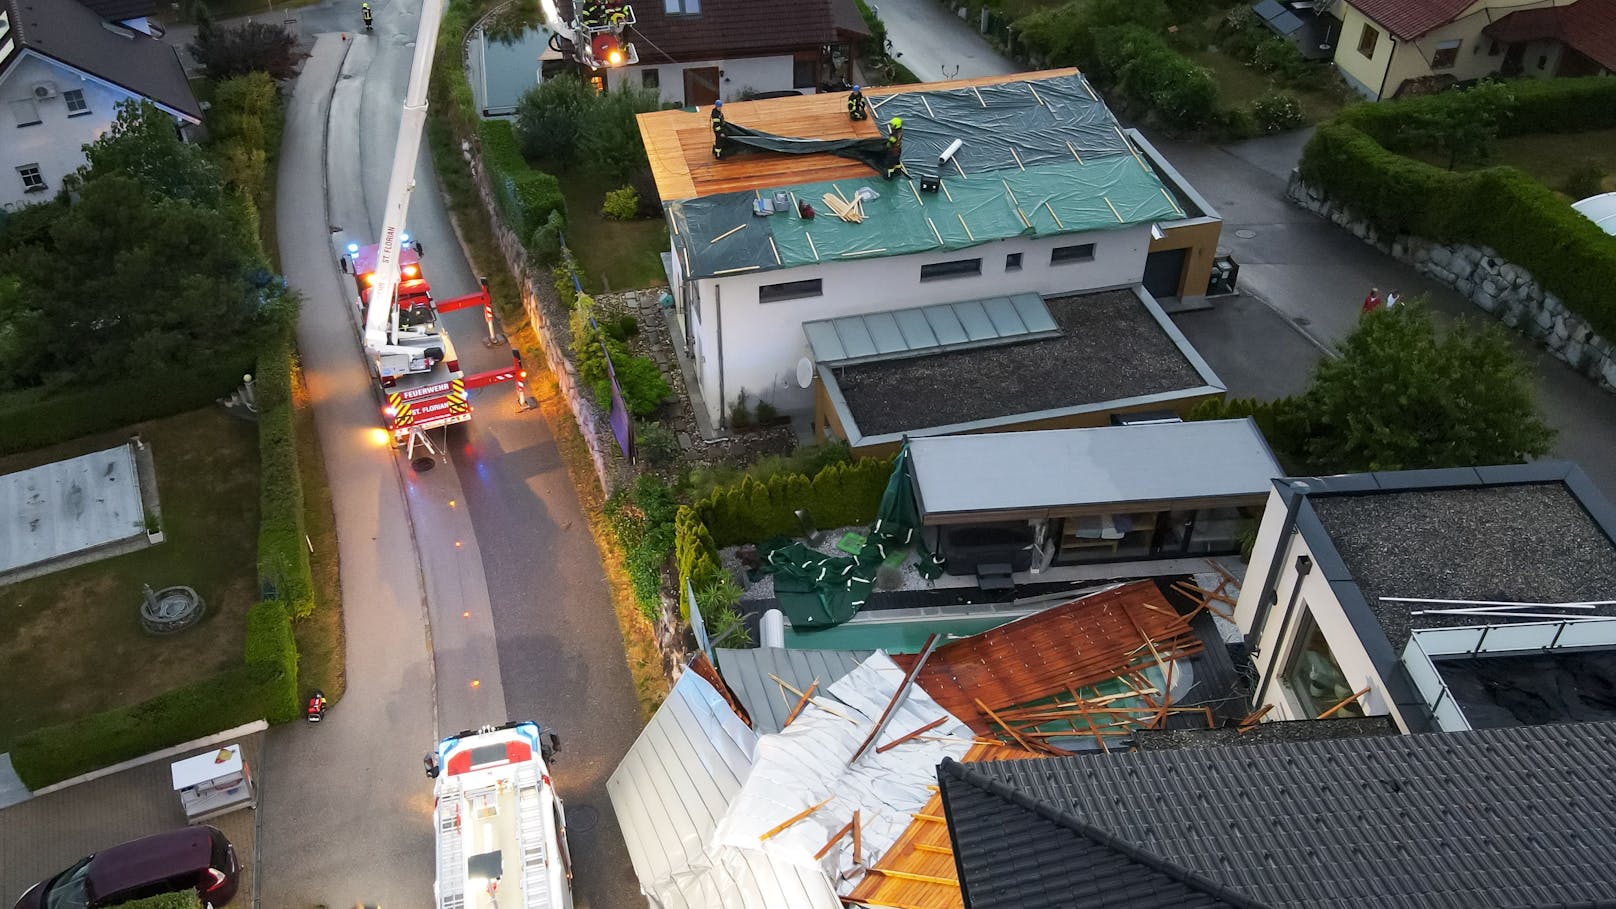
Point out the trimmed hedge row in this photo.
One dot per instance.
(1535, 106)
(39, 417)
(283, 555)
(752, 511)
(526, 196)
(185, 899)
(1500, 207)
(263, 687)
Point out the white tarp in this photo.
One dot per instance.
(808, 762)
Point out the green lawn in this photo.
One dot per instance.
(615, 255)
(71, 642)
(1550, 157)
(1240, 84)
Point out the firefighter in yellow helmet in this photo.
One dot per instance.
(894, 155)
(364, 10)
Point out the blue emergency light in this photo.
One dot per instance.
(353, 247)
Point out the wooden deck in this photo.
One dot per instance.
(918, 872)
(679, 143)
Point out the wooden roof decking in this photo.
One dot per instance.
(1072, 646)
(679, 143)
(921, 863)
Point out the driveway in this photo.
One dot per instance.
(1314, 275)
(936, 44)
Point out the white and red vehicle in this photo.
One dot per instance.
(501, 830)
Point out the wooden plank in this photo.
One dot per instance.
(1343, 703)
(882, 749)
(801, 703)
(908, 876)
(787, 686)
(897, 699)
(966, 226)
(1006, 726)
(1113, 209)
(777, 828)
(844, 831)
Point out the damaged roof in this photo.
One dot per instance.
(1485, 820)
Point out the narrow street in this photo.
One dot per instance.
(936, 44)
(521, 623)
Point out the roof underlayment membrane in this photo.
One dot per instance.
(698, 790)
(1039, 158)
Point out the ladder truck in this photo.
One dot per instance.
(501, 829)
(593, 34)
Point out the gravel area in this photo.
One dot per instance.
(1111, 348)
(1531, 543)
(1264, 733)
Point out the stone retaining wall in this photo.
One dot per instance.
(1486, 279)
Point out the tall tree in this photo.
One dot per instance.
(1402, 397)
(144, 143)
(1462, 124)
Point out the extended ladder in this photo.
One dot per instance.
(533, 839)
(451, 852)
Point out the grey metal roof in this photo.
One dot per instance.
(669, 793)
(75, 36)
(1277, 17)
(121, 10)
(746, 672)
(922, 330)
(1514, 817)
(1071, 468)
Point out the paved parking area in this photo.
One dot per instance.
(49, 832)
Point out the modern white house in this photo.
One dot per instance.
(1446, 599)
(1044, 195)
(695, 52)
(63, 71)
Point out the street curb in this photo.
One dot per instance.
(216, 738)
(325, 134)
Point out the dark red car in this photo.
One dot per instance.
(198, 858)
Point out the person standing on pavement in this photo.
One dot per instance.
(1392, 299)
(1371, 302)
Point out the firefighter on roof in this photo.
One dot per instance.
(720, 131)
(894, 157)
(857, 109)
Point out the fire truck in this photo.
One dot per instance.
(501, 828)
(593, 34)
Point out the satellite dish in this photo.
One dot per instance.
(805, 372)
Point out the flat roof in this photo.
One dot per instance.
(1532, 689)
(69, 506)
(1056, 469)
(1531, 542)
(1115, 347)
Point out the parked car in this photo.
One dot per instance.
(195, 857)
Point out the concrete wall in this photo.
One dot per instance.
(1277, 641)
(762, 342)
(764, 74)
(56, 143)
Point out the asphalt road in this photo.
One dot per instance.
(537, 576)
(936, 44)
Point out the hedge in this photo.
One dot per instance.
(526, 197)
(257, 689)
(283, 555)
(35, 418)
(1500, 207)
(184, 899)
(752, 511)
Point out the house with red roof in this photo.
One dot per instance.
(1389, 47)
(695, 52)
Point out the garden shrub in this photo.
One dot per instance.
(622, 204)
(655, 443)
(283, 556)
(526, 197)
(643, 386)
(1586, 179)
(545, 243)
(1277, 112)
(184, 899)
(1156, 81)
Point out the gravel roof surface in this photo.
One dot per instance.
(1264, 733)
(1110, 348)
(1532, 543)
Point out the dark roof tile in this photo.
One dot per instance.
(726, 29)
(1513, 817)
(75, 36)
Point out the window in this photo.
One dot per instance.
(76, 104)
(26, 111)
(1447, 54)
(1313, 676)
(790, 290)
(1063, 255)
(651, 79)
(1543, 61)
(32, 180)
(1012, 262)
(959, 268)
(1494, 49)
(1368, 40)
(804, 73)
(677, 7)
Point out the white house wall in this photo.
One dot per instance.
(763, 342)
(1277, 641)
(56, 142)
(762, 74)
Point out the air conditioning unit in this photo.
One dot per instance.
(44, 91)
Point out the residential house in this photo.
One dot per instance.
(1387, 46)
(694, 52)
(1048, 223)
(63, 71)
(1497, 818)
(1446, 599)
